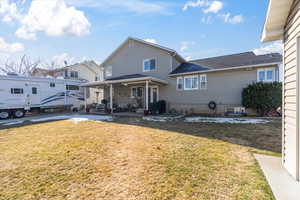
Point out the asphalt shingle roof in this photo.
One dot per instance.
(229, 61)
(238, 60)
(189, 67)
(130, 76)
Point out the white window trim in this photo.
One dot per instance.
(265, 70)
(193, 76)
(178, 82)
(137, 91)
(105, 71)
(151, 93)
(75, 73)
(200, 81)
(148, 59)
(131, 92)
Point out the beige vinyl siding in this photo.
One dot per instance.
(290, 139)
(129, 60)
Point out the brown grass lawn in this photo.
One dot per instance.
(132, 159)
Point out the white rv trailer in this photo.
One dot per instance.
(19, 94)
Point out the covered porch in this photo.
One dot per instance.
(129, 93)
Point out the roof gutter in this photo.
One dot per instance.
(96, 83)
(277, 14)
(226, 69)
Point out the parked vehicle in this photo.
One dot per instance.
(19, 94)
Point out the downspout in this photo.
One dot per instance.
(298, 108)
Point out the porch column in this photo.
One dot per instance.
(147, 95)
(85, 98)
(111, 97)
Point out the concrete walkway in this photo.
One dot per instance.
(55, 117)
(284, 187)
(33, 117)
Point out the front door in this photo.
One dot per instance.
(153, 94)
(33, 95)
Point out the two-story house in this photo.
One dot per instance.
(87, 71)
(139, 72)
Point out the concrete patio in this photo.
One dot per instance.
(284, 187)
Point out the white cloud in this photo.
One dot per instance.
(151, 40)
(276, 47)
(54, 18)
(10, 47)
(207, 20)
(135, 6)
(185, 45)
(188, 58)
(214, 7)
(228, 18)
(8, 11)
(210, 6)
(194, 4)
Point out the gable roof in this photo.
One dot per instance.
(86, 64)
(166, 49)
(238, 60)
(276, 18)
(189, 67)
(130, 76)
(229, 62)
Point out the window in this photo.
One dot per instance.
(191, 83)
(16, 90)
(52, 84)
(72, 87)
(149, 65)
(108, 71)
(266, 75)
(34, 90)
(74, 74)
(203, 82)
(66, 74)
(179, 83)
(136, 92)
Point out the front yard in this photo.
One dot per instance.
(135, 159)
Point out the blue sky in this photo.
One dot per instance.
(76, 30)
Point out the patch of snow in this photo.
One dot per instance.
(82, 118)
(13, 123)
(45, 119)
(75, 118)
(155, 119)
(162, 118)
(226, 120)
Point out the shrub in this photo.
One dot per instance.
(263, 97)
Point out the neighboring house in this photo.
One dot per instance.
(136, 67)
(87, 71)
(283, 23)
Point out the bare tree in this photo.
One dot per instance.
(52, 65)
(25, 66)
